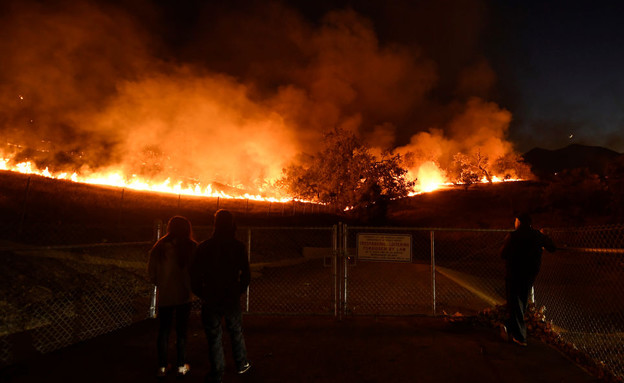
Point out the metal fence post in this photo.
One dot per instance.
(158, 229)
(335, 269)
(152, 313)
(248, 260)
(339, 271)
(121, 207)
(345, 257)
(433, 283)
(20, 227)
(79, 315)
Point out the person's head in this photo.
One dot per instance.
(179, 227)
(523, 220)
(224, 223)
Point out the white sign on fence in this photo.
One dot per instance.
(384, 247)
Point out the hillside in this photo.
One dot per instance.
(36, 207)
(545, 163)
(483, 206)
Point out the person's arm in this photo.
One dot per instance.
(547, 242)
(506, 249)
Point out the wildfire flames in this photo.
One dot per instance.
(430, 177)
(118, 179)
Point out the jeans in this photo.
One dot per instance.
(165, 315)
(518, 291)
(211, 320)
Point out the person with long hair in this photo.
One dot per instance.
(219, 276)
(168, 269)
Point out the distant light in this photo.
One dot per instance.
(21, 97)
(571, 135)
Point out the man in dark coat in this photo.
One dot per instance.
(219, 276)
(522, 253)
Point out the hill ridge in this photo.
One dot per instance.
(545, 163)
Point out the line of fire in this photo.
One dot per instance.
(414, 178)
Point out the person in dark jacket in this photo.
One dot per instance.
(522, 253)
(168, 269)
(219, 276)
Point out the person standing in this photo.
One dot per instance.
(522, 252)
(168, 268)
(219, 276)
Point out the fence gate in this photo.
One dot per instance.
(294, 270)
(386, 271)
(420, 271)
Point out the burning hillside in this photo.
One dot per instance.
(92, 95)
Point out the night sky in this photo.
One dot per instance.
(562, 72)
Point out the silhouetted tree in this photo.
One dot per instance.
(469, 169)
(345, 173)
(512, 166)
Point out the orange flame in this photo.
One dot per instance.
(116, 179)
(430, 177)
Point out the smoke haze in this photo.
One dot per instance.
(234, 94)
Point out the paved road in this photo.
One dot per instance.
(318, 349)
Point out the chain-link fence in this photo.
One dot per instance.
(448, 271)
(582, 288)
(57, 295)
(61, 293)
(56, 292)
(293, 270)
(383, 287)
(581, 285)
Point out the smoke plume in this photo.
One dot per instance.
(234, 94)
